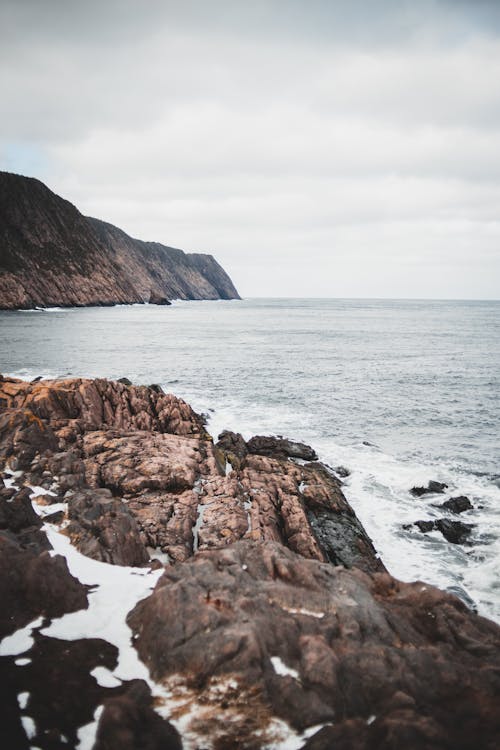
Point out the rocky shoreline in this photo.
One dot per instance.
(162, 590)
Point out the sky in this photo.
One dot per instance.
(317, 148)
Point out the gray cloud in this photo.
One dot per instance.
(319, 148)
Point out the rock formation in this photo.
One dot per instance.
(272, 616)
(51, 256)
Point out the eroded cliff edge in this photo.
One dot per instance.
(265, 618)
(51, 255)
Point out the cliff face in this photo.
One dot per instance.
(51, 255)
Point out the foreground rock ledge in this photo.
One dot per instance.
(275, 607)
(392, 665)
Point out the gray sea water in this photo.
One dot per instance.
(399, 392)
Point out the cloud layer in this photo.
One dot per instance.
(317, 149)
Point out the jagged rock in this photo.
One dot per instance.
(102, 527)
(425, 526)
(342, 472)
(433, 487)
(457, 504)
(18, 518)
(234, 448)
(278, 447)
(312, 643)
(151, 451)
(456, 532)
(22, 434)
(129, 722)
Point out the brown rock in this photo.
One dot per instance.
(129, 722)
(387, 662)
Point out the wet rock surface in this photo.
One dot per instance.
(457, 504)
(456, 532)
(433, 488)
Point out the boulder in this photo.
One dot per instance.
(433, 487)
(278, 447)
(457, 504)
(254, 631)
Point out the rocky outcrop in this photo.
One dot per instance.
(274, 618)
(53, 256)
(141, 472)
(389, 664)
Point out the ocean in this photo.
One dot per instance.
(398, 392)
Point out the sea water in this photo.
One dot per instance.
(398, 392)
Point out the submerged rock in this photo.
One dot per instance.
(433, 487)
(457, 504)
(455, 532)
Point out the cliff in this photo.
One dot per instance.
(51, 255)
(257, 602)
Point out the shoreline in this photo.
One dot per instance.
(279, 552)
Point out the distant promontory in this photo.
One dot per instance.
(53, 256)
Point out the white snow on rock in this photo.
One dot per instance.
(20, 641)
(117, 591)
(86, 734)
(105, 678)
(23, 699)
(281, 668)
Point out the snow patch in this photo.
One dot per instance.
(105, 678)
(86, 734)
(20, 641)
(117, 591)
(23, 699)
(282, 670)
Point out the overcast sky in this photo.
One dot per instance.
(316, 148)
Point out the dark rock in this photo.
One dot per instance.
(234, 448)
(62, 694)
(22, 435)
(159, 299)
(129, 722)
(456, 532)
(18, 518)
(103, 528)
(433, 487)
(342, 472)
(277, 447)
(352, 647)
(34, 584)
(425, 526)
(458, 504)
(125, 381)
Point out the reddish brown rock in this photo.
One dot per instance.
(129, 722)
(386, 662)
(151, 451)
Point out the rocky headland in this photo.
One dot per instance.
(53, 256)
(160, 590)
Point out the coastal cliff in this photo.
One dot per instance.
(51, 255)
(236, 572)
